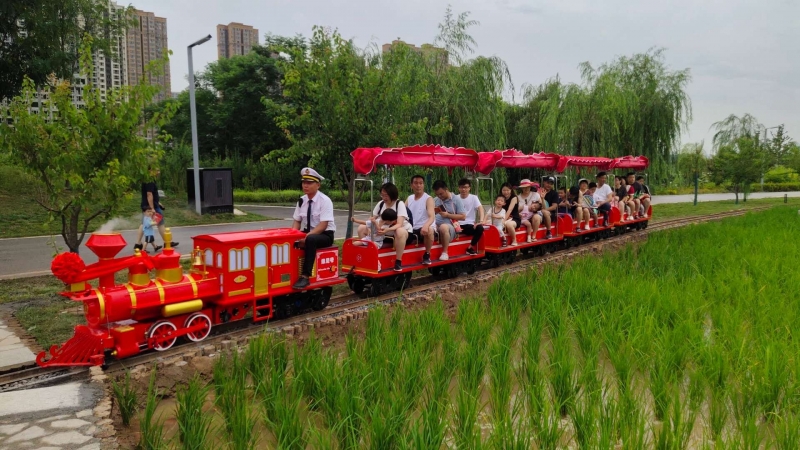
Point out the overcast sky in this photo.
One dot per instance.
(744, 56)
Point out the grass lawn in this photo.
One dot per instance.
(22, 216)
(675, 210)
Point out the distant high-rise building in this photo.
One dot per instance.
(235, 39)
(147, 41)
(427, 50)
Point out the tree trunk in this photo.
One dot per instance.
(69, 228)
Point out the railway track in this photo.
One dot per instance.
(34, 376)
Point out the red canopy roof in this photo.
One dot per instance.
(515, 159)
(629, 162)
(366, 159)
(582, 161)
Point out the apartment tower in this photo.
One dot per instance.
(147, 41)
(235, 39)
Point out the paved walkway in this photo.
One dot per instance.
(13, 353)
(689, 198)
(25, 257)
(57, 417)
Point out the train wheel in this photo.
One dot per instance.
(472, 266)
(163, 333)
(198, 319)
(356, 284)
(376, 288)
(435, 271)
(322, 298)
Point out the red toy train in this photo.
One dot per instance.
(238, 275)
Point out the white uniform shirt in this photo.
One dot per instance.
(321, 210)
(470, 205)
(601, 193)
(398, 206)
(418, 209)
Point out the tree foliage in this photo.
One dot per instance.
(632, 105)
(87, 158)
(39, 38)
(739, 162)
(692, 161)
(339, 97)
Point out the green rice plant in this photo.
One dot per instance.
(464, 430)
(787, 432)
(125, 395)
(194, 425)
(513, 431)
(256, 356)
(500, 377)
(563, 380)
(750, 435)
(678, 424)
(608, 422)
(584, 419)
(151, 429)
(632, 424)
(305, 367)
(240, 421)
(661, 380)
(476, 328)
(717, 415)
(286, 421)
(772, 378)
(548, 427)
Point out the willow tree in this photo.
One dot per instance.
(632, 105)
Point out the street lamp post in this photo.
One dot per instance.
(193, 113)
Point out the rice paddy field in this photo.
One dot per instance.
(686, 341)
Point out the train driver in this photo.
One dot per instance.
(313, 215)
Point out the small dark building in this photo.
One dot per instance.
(216, 190)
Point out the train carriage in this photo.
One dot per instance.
(365, 264)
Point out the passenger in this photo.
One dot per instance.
(587, 201)
(472, 206)
(633, 192)
(313, 215)
(603, 196)
(449, 211)
(399, 231)
(625, 199)
(551, 204)
(578, 211)
(420, 204)
(512, 219)
(641, 194)
(498, 217)
(564, 206)
(378, 229)
(530, 209)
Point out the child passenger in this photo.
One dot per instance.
(587, 201)
(497, 216)
(378, 227)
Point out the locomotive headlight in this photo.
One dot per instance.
(91, 309)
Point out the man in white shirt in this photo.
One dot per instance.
(603, 196)
(471, 204)
(421, 206)
(313, 215)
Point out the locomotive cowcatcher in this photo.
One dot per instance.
(233, 276)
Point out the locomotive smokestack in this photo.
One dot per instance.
(106, 246)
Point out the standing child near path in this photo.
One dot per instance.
(378, 227)
(148, 221)
(498, 216)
